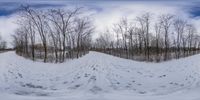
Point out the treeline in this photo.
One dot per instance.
(53, 34)
(57, 34)
(3, 44)
(150, 39)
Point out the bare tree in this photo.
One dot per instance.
(83, 31)
(39, 20)
(62, 21)
(145, 23)
(179, 26)
(61, 33)
(166, 21)
(158, 38)
(191, 30)
(104, 41)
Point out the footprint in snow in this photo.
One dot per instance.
(139, 84)
(140, 73)
(78, 77)
(176, 84)
(65, 82)
(163, 86)
(162, 76)
(86, 75)
(151, 76)
(142, 92)
(95, 89)
(182, 85)
(134, 89)
(54, 89)
(92, 78)
(75, 87)
(42, 94)
(128, 86)
(20, 75)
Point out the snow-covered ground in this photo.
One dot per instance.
(98, 76)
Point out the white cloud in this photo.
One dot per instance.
(7, 27)
(112, 13)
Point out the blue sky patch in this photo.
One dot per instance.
(8, 8)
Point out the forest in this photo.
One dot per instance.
(55, 35)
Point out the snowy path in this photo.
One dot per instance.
(98, 76)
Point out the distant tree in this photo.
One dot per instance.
(3, 43)
(179, 26)
(38, 19)
(166, 22)
(144, 21)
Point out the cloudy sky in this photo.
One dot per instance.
(104, 12)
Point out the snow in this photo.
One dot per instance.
(98, 76)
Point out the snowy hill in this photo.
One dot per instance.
(98, 76)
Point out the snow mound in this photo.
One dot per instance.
(96, 74)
